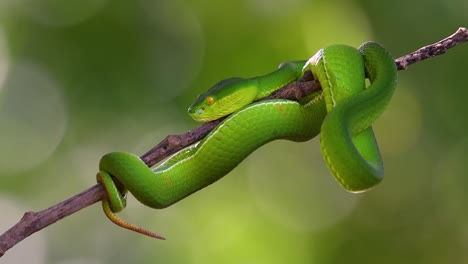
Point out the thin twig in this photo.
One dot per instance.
(429, 51)
(32, 222)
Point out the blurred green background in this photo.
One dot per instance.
(81, 78)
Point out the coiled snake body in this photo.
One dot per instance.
(342, 113)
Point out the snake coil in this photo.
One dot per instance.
(342, 113)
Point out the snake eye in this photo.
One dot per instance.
(209, 100)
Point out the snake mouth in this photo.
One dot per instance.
(196, 113)
(193, 111)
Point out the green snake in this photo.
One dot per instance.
(342, 113)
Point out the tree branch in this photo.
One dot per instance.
(32, 222)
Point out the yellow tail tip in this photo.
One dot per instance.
(118, 221)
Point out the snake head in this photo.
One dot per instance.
(224, 98)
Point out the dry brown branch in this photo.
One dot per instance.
(32, 222)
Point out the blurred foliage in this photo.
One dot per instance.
(82, 78)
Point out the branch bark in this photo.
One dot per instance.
(32, 222)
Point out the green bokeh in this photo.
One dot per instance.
(89, 77)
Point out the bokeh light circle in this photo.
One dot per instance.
(177, 60)
(404, 113)
(57, 13)
(33, 118)
(348, 25)
(450, 181)
(80, 261)
(275, 8)
(4, 59)
(292, 185)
